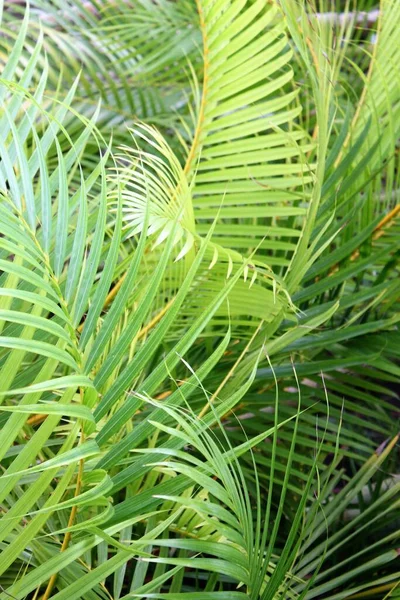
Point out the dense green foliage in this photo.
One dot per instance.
(199, 299)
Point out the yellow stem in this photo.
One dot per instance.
(200, 120)
(229, 375)
(363, 94)
(378, 232)
(155, 320)
(389, 587)
(111, 295)
(387, 219)
(72, 516)
(36, 419)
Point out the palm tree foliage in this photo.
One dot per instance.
(199, 299)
